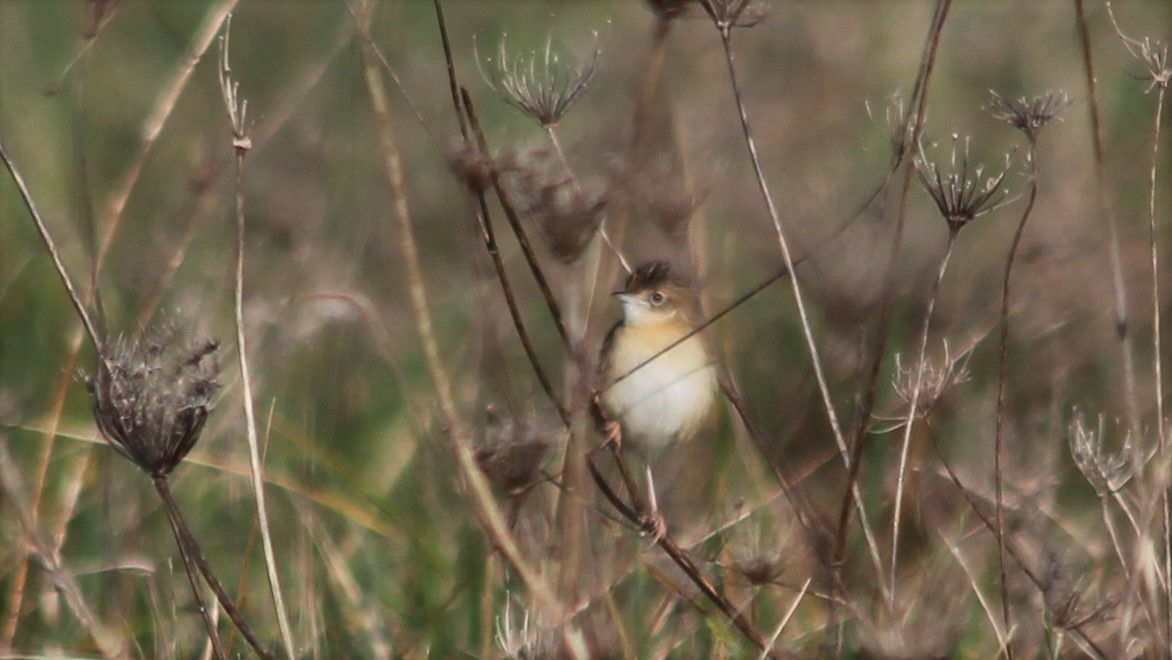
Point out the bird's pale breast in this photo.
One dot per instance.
(666, 399)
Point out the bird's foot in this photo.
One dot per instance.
(612, 434)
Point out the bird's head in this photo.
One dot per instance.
(654, 294)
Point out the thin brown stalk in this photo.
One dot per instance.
(726, 28)
(913, 405)
(677, 554)
(193, 578)
(492, 518)
(1002, 381)
(910, 130)
(108, 643)
(488, 237)
(1122, 319)
(78, 306)
(241, 143)
(16, 587)
(991, 525)
(189, 545)
(165, 102)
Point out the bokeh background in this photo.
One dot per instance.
(380, 551)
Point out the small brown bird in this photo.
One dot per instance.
(657, 400)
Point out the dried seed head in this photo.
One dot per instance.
(1029, 115)
(539, 85)
(661, 194)
(934, 382)
(962, 194)
(512, 451)
(900, 122)
(1154, 56)
(1105, 472)
(727, 14)
(567, 215)
(152, 394)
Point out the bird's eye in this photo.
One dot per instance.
(657, 298)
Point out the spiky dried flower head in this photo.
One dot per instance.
(1029, 115)
(539, 84)
(728, 14)
(567, 214)
(512, 449)
(1154, 56)
(1107, 473)
(901, 125)
(152, 394)
(963, 193)
(934, 381)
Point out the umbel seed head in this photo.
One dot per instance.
(151, 395)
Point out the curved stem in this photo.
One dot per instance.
(913, 407)
(190, 546)
(1002, 376)
(807, 331)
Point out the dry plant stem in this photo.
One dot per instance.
(109, 644)
(1002, 379)
(43, 231)
(915, 121)
(190, 546)
(237, 113)
(990, 525)
(913, 405)
(807, 330)
(480, 493)
(1162, 471)
(523, 240)
(16, 589)
(1122, 320)
(48, 442)
(551, 132)
(488, 236)
(677, 554)
(153, 125)
(192, 572)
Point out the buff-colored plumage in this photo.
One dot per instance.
(667, 399)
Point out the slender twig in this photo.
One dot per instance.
(165, 103)
(193, 577)
(910, 129)
(920, 368)
(1002, 381)
(92, 330)
(1122, 319)
(488, 236)
(109, 644)
(492, 518)
(190, 545)
(241, 143)
(725, 28)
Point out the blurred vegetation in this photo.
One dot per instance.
(380, 551)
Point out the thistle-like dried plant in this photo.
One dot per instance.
(1029, 115)
(727, 14)
(544, 191)
(152, 394)
(1107, 473)
(540, 85)
(934, 381)
(963, 193)
(512, 450)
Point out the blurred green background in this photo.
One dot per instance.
(378, 544)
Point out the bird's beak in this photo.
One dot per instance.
(623, 296)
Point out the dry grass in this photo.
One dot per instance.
(936, 442)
